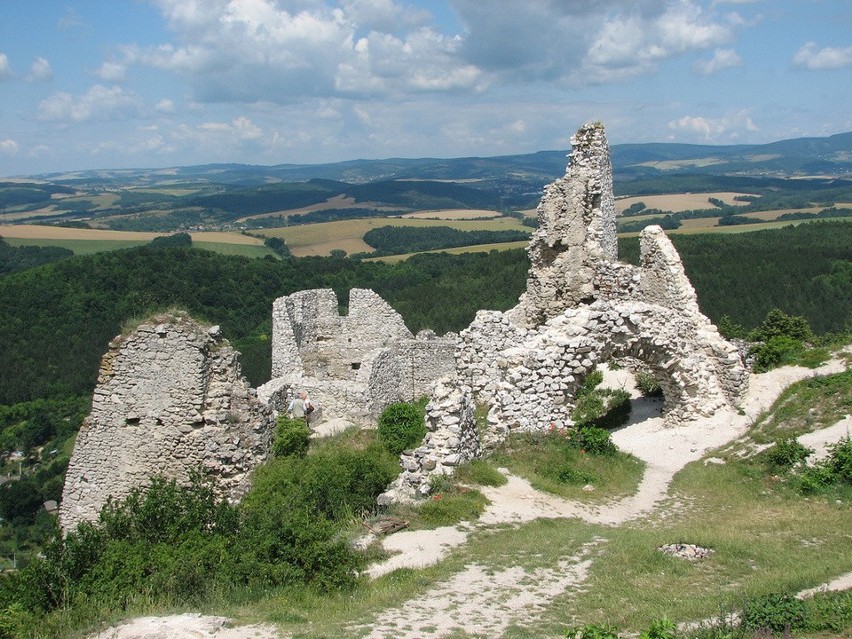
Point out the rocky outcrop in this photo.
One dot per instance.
(170, 400)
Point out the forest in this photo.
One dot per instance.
(56, 319)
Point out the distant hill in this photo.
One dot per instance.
(829, 156)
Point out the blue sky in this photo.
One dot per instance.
(157, 83)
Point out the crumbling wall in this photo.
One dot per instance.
(451, 439)
(352, 365)
(170, 399)
(576, 232)
(581, 308)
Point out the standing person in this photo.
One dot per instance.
(300, 406)
(296, 409)
(308, 406)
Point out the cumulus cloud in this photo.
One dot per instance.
(111, 72)
(284, 51)
(722, 59)
(5, 68)
(98, 103)
(585, 42)
(809, 57)
(724, 129)
(40, 71)
(628, 45)
(9, 147)
(165, 106)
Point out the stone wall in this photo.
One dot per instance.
(582, 308)
(451, 439)
(170, 399)
(352, 365)
(576, 232)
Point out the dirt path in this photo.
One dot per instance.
(665, 450)
(478, 601)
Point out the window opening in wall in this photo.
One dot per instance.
(356, 366)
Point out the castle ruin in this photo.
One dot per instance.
(170, 400)
(581, 308)
(352, 365)
(170, 396)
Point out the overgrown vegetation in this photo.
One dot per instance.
(20, 258)
(401, 426)
(603, 408)
(183, 543)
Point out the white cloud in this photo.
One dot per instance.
(725, 129)
(809, 57)
(111, 72)
(286, 51)
(9, 147)
(246, 129)
(5, 69)
(629, 45)
(98, 103)
(40, 71)
(722, 59)
(165, 106)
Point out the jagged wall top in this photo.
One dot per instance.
(576, 232)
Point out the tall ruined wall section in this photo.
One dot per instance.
(576, 232)
(170, 400)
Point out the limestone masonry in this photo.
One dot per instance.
(581, 308)
(170, 396)
(170, 399)
(352, 365)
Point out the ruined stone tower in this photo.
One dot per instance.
(170, 400)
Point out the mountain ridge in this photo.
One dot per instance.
(797, 157)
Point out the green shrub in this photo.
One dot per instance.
(786, 453)
(401, 426)
(840, 460)
(829, 611)
(602, 407)
(773, 612)
(836, 469)
(662, 628)
(292, 437)
(648, 384)
(778, 324)
(333, 483)
(774, 352)
(594, 440)
(815, 479)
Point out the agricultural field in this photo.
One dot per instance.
(453, 214)
(677, 202)
(321, 239)
(87, 241)
(336, 202)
